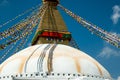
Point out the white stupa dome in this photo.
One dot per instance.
(54, 58)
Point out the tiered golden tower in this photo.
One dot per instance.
(51, 28)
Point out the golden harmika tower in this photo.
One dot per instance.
(51, 28)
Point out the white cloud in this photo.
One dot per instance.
(108, 52)
(4, 3)
(116, 14)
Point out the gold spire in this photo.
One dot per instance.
(52, 28)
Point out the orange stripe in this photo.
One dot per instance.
(98, 68)
(77, 64)
(22, 65)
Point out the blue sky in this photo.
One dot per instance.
(100, 12)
